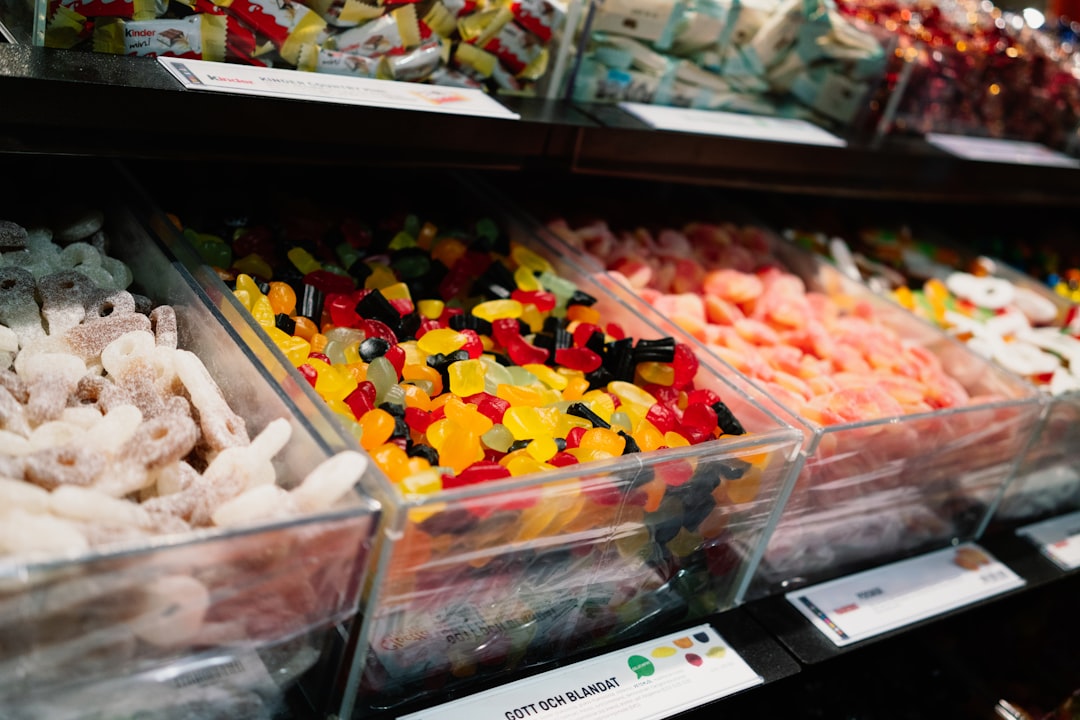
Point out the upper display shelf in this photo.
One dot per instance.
(70, 102)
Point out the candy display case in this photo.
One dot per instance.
(794, 58)
(516, 48)
(480, 580)
(888, 472)
(102, 614)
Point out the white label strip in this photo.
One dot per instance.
(648, 681)
(715, 122)
(861, 606)
(1016, 152)
(1058, 539)
(321, 87)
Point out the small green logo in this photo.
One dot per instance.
(641, 666)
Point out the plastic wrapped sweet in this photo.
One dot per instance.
(892, 409)
(498, 46)
(773, 58)
(969, 68)
(144, 521)
(556, 539)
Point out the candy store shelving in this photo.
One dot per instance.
(41, 87)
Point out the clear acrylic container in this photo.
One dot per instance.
(870, 492)
(96, 633)
(474, 583)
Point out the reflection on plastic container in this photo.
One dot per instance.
(212, 620)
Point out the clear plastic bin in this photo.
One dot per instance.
(473, 583)
(870, 492)
(219, 622)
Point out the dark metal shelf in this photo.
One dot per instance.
(69, 102)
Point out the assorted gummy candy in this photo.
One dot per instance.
(457, 356)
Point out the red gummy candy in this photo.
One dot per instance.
(396, 356)
(544, 301)
(575, 358)
(427, 326)
(473, 345)
(522, 353)
(562, 459)
(615, 331)
(329, 282)
(309, 373)
(505, 330)
(379, 329)
(573, 438)
(481, 471)
(701, 417)
(583, 332)
(490, 406)
(662, 416)
(403, 305)
(342, 309)
(694, 434)
(417, 419)
(685, 365)
(318, 356)
(368, 388)
(706, 397)
(663, 393)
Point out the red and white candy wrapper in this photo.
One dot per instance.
(459, 8)
(128, 9)
(200, 37)
(396, 31)
(286, 24)
(515, 47)
(540, 17)
(453, 78)
(322, 60)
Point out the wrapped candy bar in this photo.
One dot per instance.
(131, 9)
(288, 25)
(200, 36)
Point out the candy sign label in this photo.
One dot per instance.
(648, 681)
(727, 124)
(323, 87)
(860, 606)
(1058, 539)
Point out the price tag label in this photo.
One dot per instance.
(716, 122)
(1016, 152)
(861, 606)
(1058, 539)
(648, 681)
(297, 85)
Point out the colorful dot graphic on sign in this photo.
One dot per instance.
(694, 659)
(640, 666)
(663, 652)
(717, 651)
(701, 637)
(684, 642)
